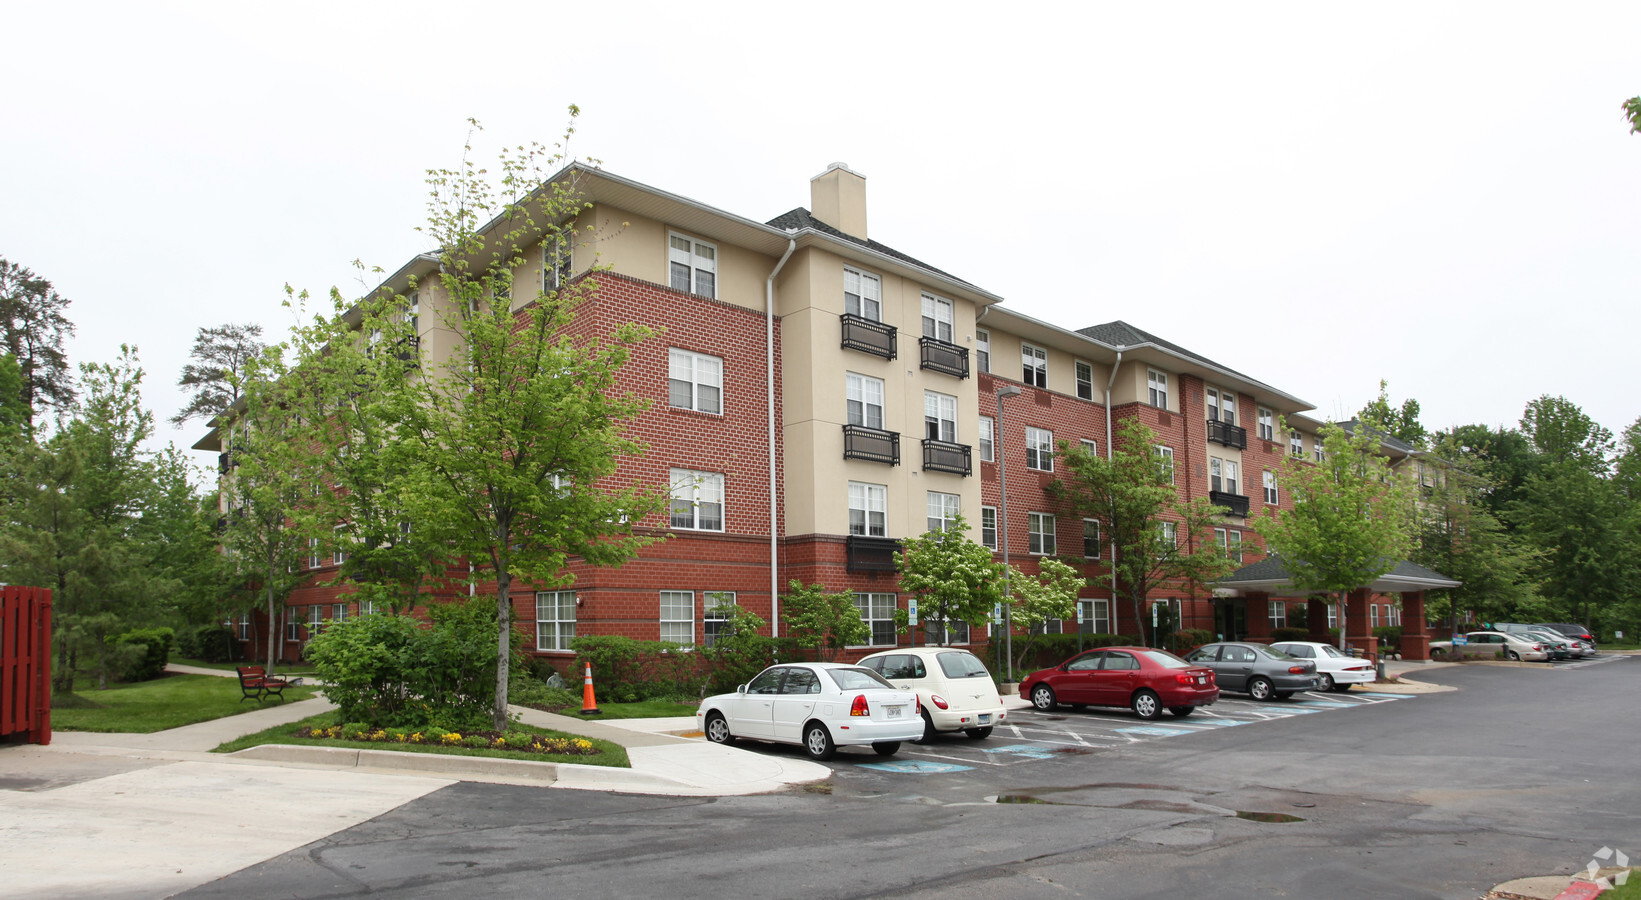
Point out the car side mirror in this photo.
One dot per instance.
(741, 689)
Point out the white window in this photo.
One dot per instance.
(555, 619)
(242, 628)
(982, 350)
(697, 381)
(878, 612)
(313, 553)
(501, 286)
(1165, 460)
(988, 451)
(694, 266)
(952, 631)
(1296, 444)
(1085, 380)
(1039, 449)
(1279, 614)
(413, 311)
(1034, 360)
(367, 607)
(316, 620)
(1040, 533)
(697, 500)
(943, 508)
(293, 625)
(988, 526)
(1230, 540)
(339, 612)
(339, 553)
(1320, 451)
(1170, 534)
(1333, 615)
(1267, 424)
(678, 617)
(1089, 447)
(1096, 616)
(555, 262)
(718, 606)
(1091, 538)
(1270, 487)
(1221, 406)
(862, 295)
(864, 400)
(937, 318)
(940, 417)
(1158, 382)
(868, 509)
(1373, 615)
(1222, 475)
(1393, 614)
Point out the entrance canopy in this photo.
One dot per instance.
(1270, 576)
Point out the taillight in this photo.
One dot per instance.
(858, 708)
(937, 700)
(1296, 670)
(1185, 679)
(917, 705)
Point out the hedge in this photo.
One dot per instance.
(156, 652)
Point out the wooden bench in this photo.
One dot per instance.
(255, 683)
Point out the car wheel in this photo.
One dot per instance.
(1260, 689)
(1342, 688)
(1181, 712)
(718, 729)
(928, 729)
(817, 741)
(1042, 697)
(886, 748)
(1511, 654)
(1327, 683)
(1146, 705)
(978, 734)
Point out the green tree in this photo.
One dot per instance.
(1350, 521)
(1632, 114)
(1132, 494)
(216, 365)
(823, 621)
(1563, 433)
(33, 326)
(1050, 594)
(952, 575)
(1398, 422)
(13, 412)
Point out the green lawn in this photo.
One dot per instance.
(283, 669)
(149, 706)
(1629, 890)
(610, 754)
(644, 709)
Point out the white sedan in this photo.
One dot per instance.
(818, 706)
(1335, 669)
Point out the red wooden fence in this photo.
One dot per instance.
(25, 663)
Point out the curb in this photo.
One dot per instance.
(460, 768)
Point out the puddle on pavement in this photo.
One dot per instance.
(1266, 816)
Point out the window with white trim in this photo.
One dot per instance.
(1319, 450)
(937, 318)
(1039, 449)
(1270, 487)
(948, 632)
(1230, 540)
(1221, 406)
(877, 610)
(555, 262)
(242, 628)
(1158, 384)
(1040, 534)
(694, 265)
(1373, 615)
(697, 500)
(677, 615)
(1267, 424)
(1091, 538)
(555, 619)
(339, 553)
(943, 509)
(293, 625)
(313, 553)
(988, 526)
(716, 609)
(1169, 535)
(988, 445)
(868, 509)
(862, 295)
(368, 607)
(982, 350)
(940, 417)
(1222, 475)
(1085, 380)
(1090, 447)
(1333, 615)
(1279, 613)
(1096, 616)
(339, 612)
(696, 381)
(1296, 444)
(1165, 460)
(1034, 362)
(316, 620)
(864, 400)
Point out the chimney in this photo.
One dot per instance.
(837, 197)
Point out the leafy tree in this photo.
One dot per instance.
(822, 621)
(1349, 523)
(953, 576)
(13, 412)
(1132, 494)
(217, 364)
(1562, 432)
(1627, 468)
(1401, 423)
(1501, 458)
(1585, 537)
(1632, 114)
(1051, 594)
(33, 326)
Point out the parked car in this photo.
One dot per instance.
(1256, 669)
(953, 686)
(1566, 647)
(818, 706)
(1556, 644)
(1144, 680)
(1570, 629)
(1336, 670)
(1494, 643)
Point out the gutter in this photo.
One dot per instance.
(1110, 451)
(769, 397)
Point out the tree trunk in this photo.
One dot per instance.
(273, 629)
(504, 645)
(1344, 625)
(1139, 622)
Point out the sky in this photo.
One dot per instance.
(1444, 196)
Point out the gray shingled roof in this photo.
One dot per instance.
(801, 218)
(1391, 440)
(1120, 333)
(1403, 576)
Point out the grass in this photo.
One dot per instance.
(282, 670)
(1629, 890)
(149, 706)
(609, 754)
(643, 709)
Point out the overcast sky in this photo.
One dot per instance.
(1441, 195)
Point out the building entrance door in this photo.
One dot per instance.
(1230, 620)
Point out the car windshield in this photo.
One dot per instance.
(961, 664)
(1165, 659)
(1330, 650)
(855, 678)
(1272, 652)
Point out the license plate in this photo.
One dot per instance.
(1202, 679)
(985, 718)
(892, 712)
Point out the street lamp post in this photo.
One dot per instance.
(1007, 390)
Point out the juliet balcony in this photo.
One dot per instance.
(872, 444)
(943, 357)
(944, 456)
(1227, 434)
(868, 336)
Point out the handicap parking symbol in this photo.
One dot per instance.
(1030, 751)
(1155, 731)
(915, 767)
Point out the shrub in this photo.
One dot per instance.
(1278, 635)
(1389, 636)
(626, 668)
(1187, 639)
(211, 643)
(1053, 649)
(150, 662)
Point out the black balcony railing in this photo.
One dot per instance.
(1229, 435)
(868, 336)
(943, 357)
(875, 444)
(1237, 503)
(408, 350)
(871, 554)
(944, 456)
(226, 461)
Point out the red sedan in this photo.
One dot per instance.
(1147, 681)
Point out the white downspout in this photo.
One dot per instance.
(769, 397)
(1110, 450)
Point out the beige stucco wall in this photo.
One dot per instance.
(637, 246)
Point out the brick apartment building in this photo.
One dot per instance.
(786, 392)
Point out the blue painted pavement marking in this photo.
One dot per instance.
(1327, 704)
(1221, 722)
(915, 767)
(1035, 751)
(1155, 731)
(1380, 696)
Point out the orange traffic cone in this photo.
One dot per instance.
(589, 703)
